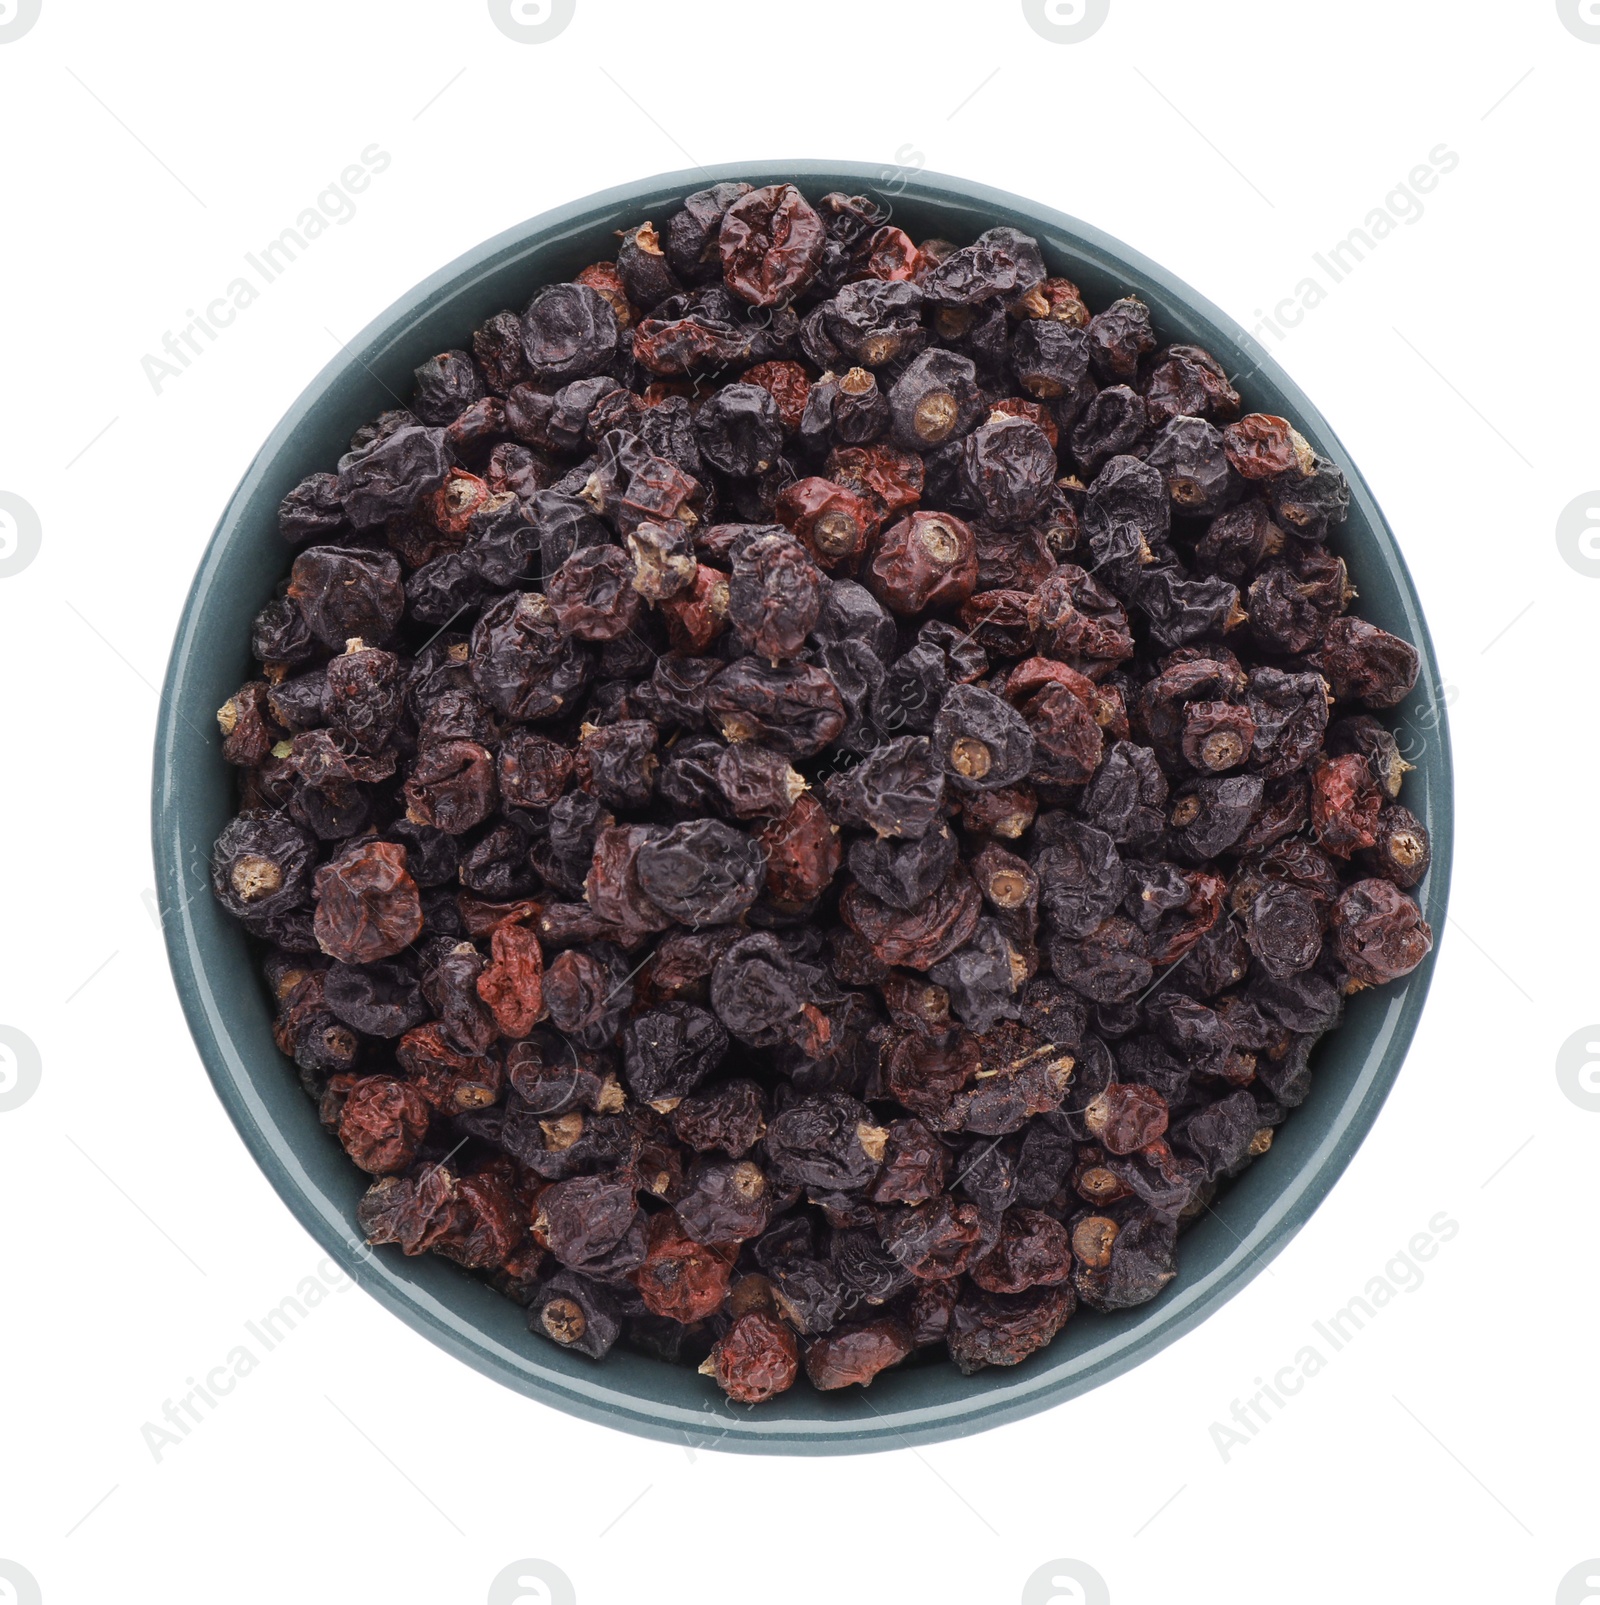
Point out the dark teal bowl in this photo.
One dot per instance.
(227, 1005)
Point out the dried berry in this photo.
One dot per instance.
(834, 522)
(1050, 358)
(936, 399)
(451, 787)
(1001, 262)
(794, 708)
(389, 477)
(568, 332)
(1344, 805)
(919, 938)
(896, 790)
(682, 1278)
(853, 1356)
(512, 984)
(261, 868)
(1119, 337)
(1192, 457)
(763, 995)
(367, 905)
(802, 852)
(1001, 1329)
(1367, 664)
(1400, 851)
(728, 1117)
(925, 561)
(756, 1359)
(826, 1143)
(774, 596)
(1034, 1250)
(1379, 934)
(1188, 380)
(1010, 467)
(576, 1313)
(592, 595)
(739, 431)
(347, 593)
(771, 245)
(981, 740)
(701, 873)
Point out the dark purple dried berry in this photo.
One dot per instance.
(568, 332)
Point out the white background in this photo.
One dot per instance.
(1447, 1451)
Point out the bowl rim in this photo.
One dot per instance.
(1138, 1333)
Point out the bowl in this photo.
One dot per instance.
(230, 1015)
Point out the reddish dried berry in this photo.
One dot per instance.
(1367, 664)
(681, 1278)
(1261, 446)
(833, 521)
(927, 560)
(512, 984)
(889, 478)
(698, 615)
(1125, 1116)
(367, 904)
(802, 850)
(1034, 1250)
(788, 386)
(382, 1124)
(854, 1356)
(771, 244)
(452, 787)
(1379, 934)
(756, 1359)
(1344, 805)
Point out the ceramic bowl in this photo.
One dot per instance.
(231, 1018)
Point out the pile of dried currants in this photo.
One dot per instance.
(811, 797)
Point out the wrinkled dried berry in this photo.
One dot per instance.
(927, 560)
(701, 873)
(763, 995)
(756, 1359)
(853, 1356)
(794, 708)
(568, 332)
(774, 596)
(770, 242)
(1379, 934)
(936, 399)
